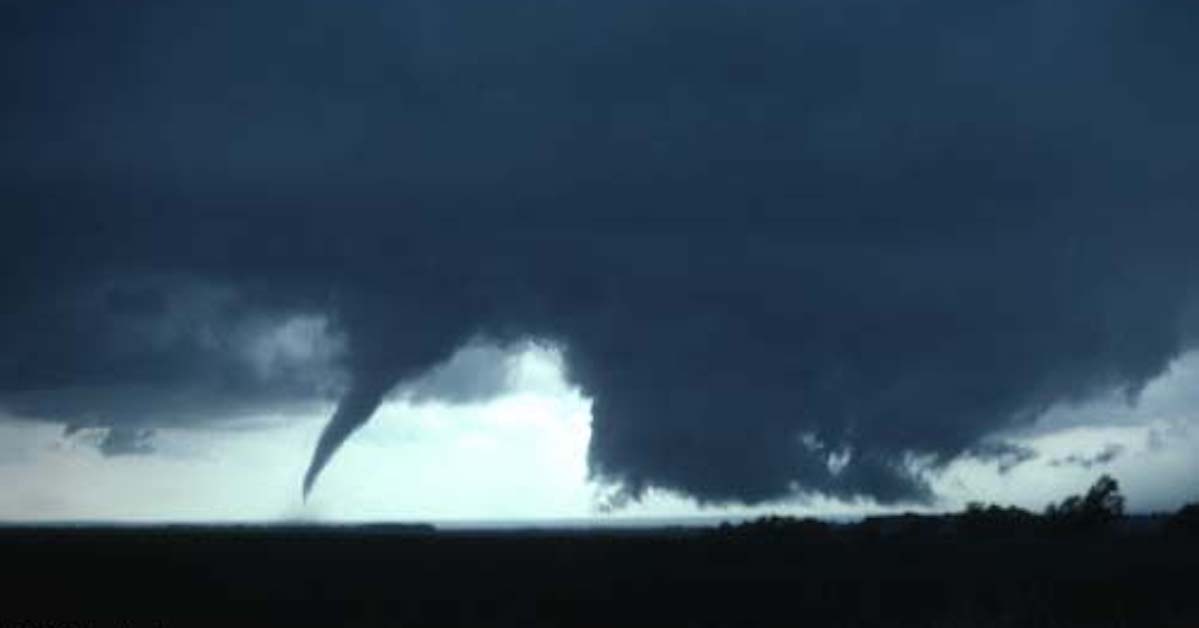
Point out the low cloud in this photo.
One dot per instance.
(127, 442)
(1102, 458)
(1005, 455)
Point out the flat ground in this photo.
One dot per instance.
(393, 576)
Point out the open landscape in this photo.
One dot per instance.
(977, 568)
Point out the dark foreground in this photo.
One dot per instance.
(804, 575)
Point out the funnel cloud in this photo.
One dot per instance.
(354, 409)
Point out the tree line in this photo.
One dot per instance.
(1101, 508)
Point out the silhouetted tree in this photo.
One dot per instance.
(994, 520)
(1102, 504)
(776, 526)
(1186, 520)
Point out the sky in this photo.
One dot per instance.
(521, 459)
(552, 259)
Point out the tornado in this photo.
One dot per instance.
(355, 409)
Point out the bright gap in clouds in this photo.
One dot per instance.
(521, 456)
(1150, 444)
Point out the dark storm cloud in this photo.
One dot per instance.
(787, 247)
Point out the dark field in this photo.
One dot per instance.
(888, 573)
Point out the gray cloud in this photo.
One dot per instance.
(891, 229)
(1005, 455)
(476, 372)
(1104, 457)
(112, 441)
(126, 442)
